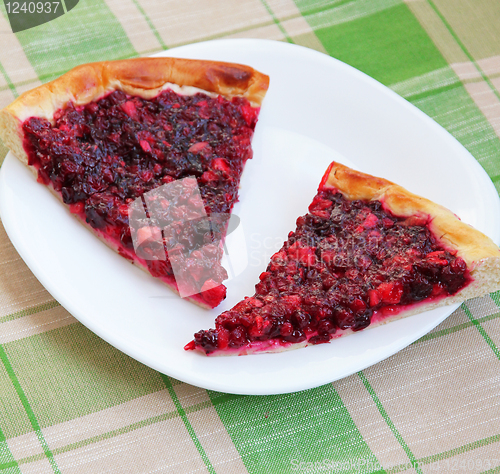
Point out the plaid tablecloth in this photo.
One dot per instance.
(71, 403)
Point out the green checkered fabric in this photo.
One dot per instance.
(71, 403)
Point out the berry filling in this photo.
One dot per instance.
(348, 264)
(102, 156)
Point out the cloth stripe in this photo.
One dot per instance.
(135, 26)
(13, 58)
(29, 311)
(275, 433)
(150, 24)
(458, 327)
(463, 48)
(434, 27)
(496, 297)
(345, 11)
(74, 38)
(184, 417)
(371, 423)
(65, 448)
(389, 422)
(204, 21)
(495, 470)
(465, 448)
(37, 323)
(187, 411)
(276, 21)
(7, 460)
(392, 61)
(28, 409)
(12, 87)
(472, 130)
(481, 330)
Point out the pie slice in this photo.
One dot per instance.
(368, 252)
(105, 135)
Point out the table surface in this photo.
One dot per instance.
(71, 403)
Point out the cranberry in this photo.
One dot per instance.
(296, 336)
(207, 339)
(300, 319)
(213, 295)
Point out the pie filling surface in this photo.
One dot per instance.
(102, 156)
(348, 264)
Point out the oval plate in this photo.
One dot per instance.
(317, 110)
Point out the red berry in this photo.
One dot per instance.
(213, 293)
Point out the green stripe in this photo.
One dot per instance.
(463, 48)
(460, 450)
(7, 460)
(305, 9)
(481, 330)
(190, 429)
(98, 375)
(223, 398)
(459, 115)
(389, 422)
(234, 31)
(276, 21)
(20, 83)
(373, 45)
(495, 470)
(26, 312)
(432, 92)
(12, 87)
(458, 327)
(435, 458)
(27, 408)
(496, 297)
(274, 434)
(150, 24)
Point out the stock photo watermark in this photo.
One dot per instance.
(369, 465)
(24, 15)
(170, 225)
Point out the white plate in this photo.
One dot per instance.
(317, 110)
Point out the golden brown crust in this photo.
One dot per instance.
(479, 251)
(144, 77)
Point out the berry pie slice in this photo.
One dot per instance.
(106, 136)
(368, 252)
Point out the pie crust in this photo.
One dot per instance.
(143, 77)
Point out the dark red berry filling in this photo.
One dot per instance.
(348, 263)
(102, 156)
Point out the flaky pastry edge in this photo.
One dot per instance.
(143, 77)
